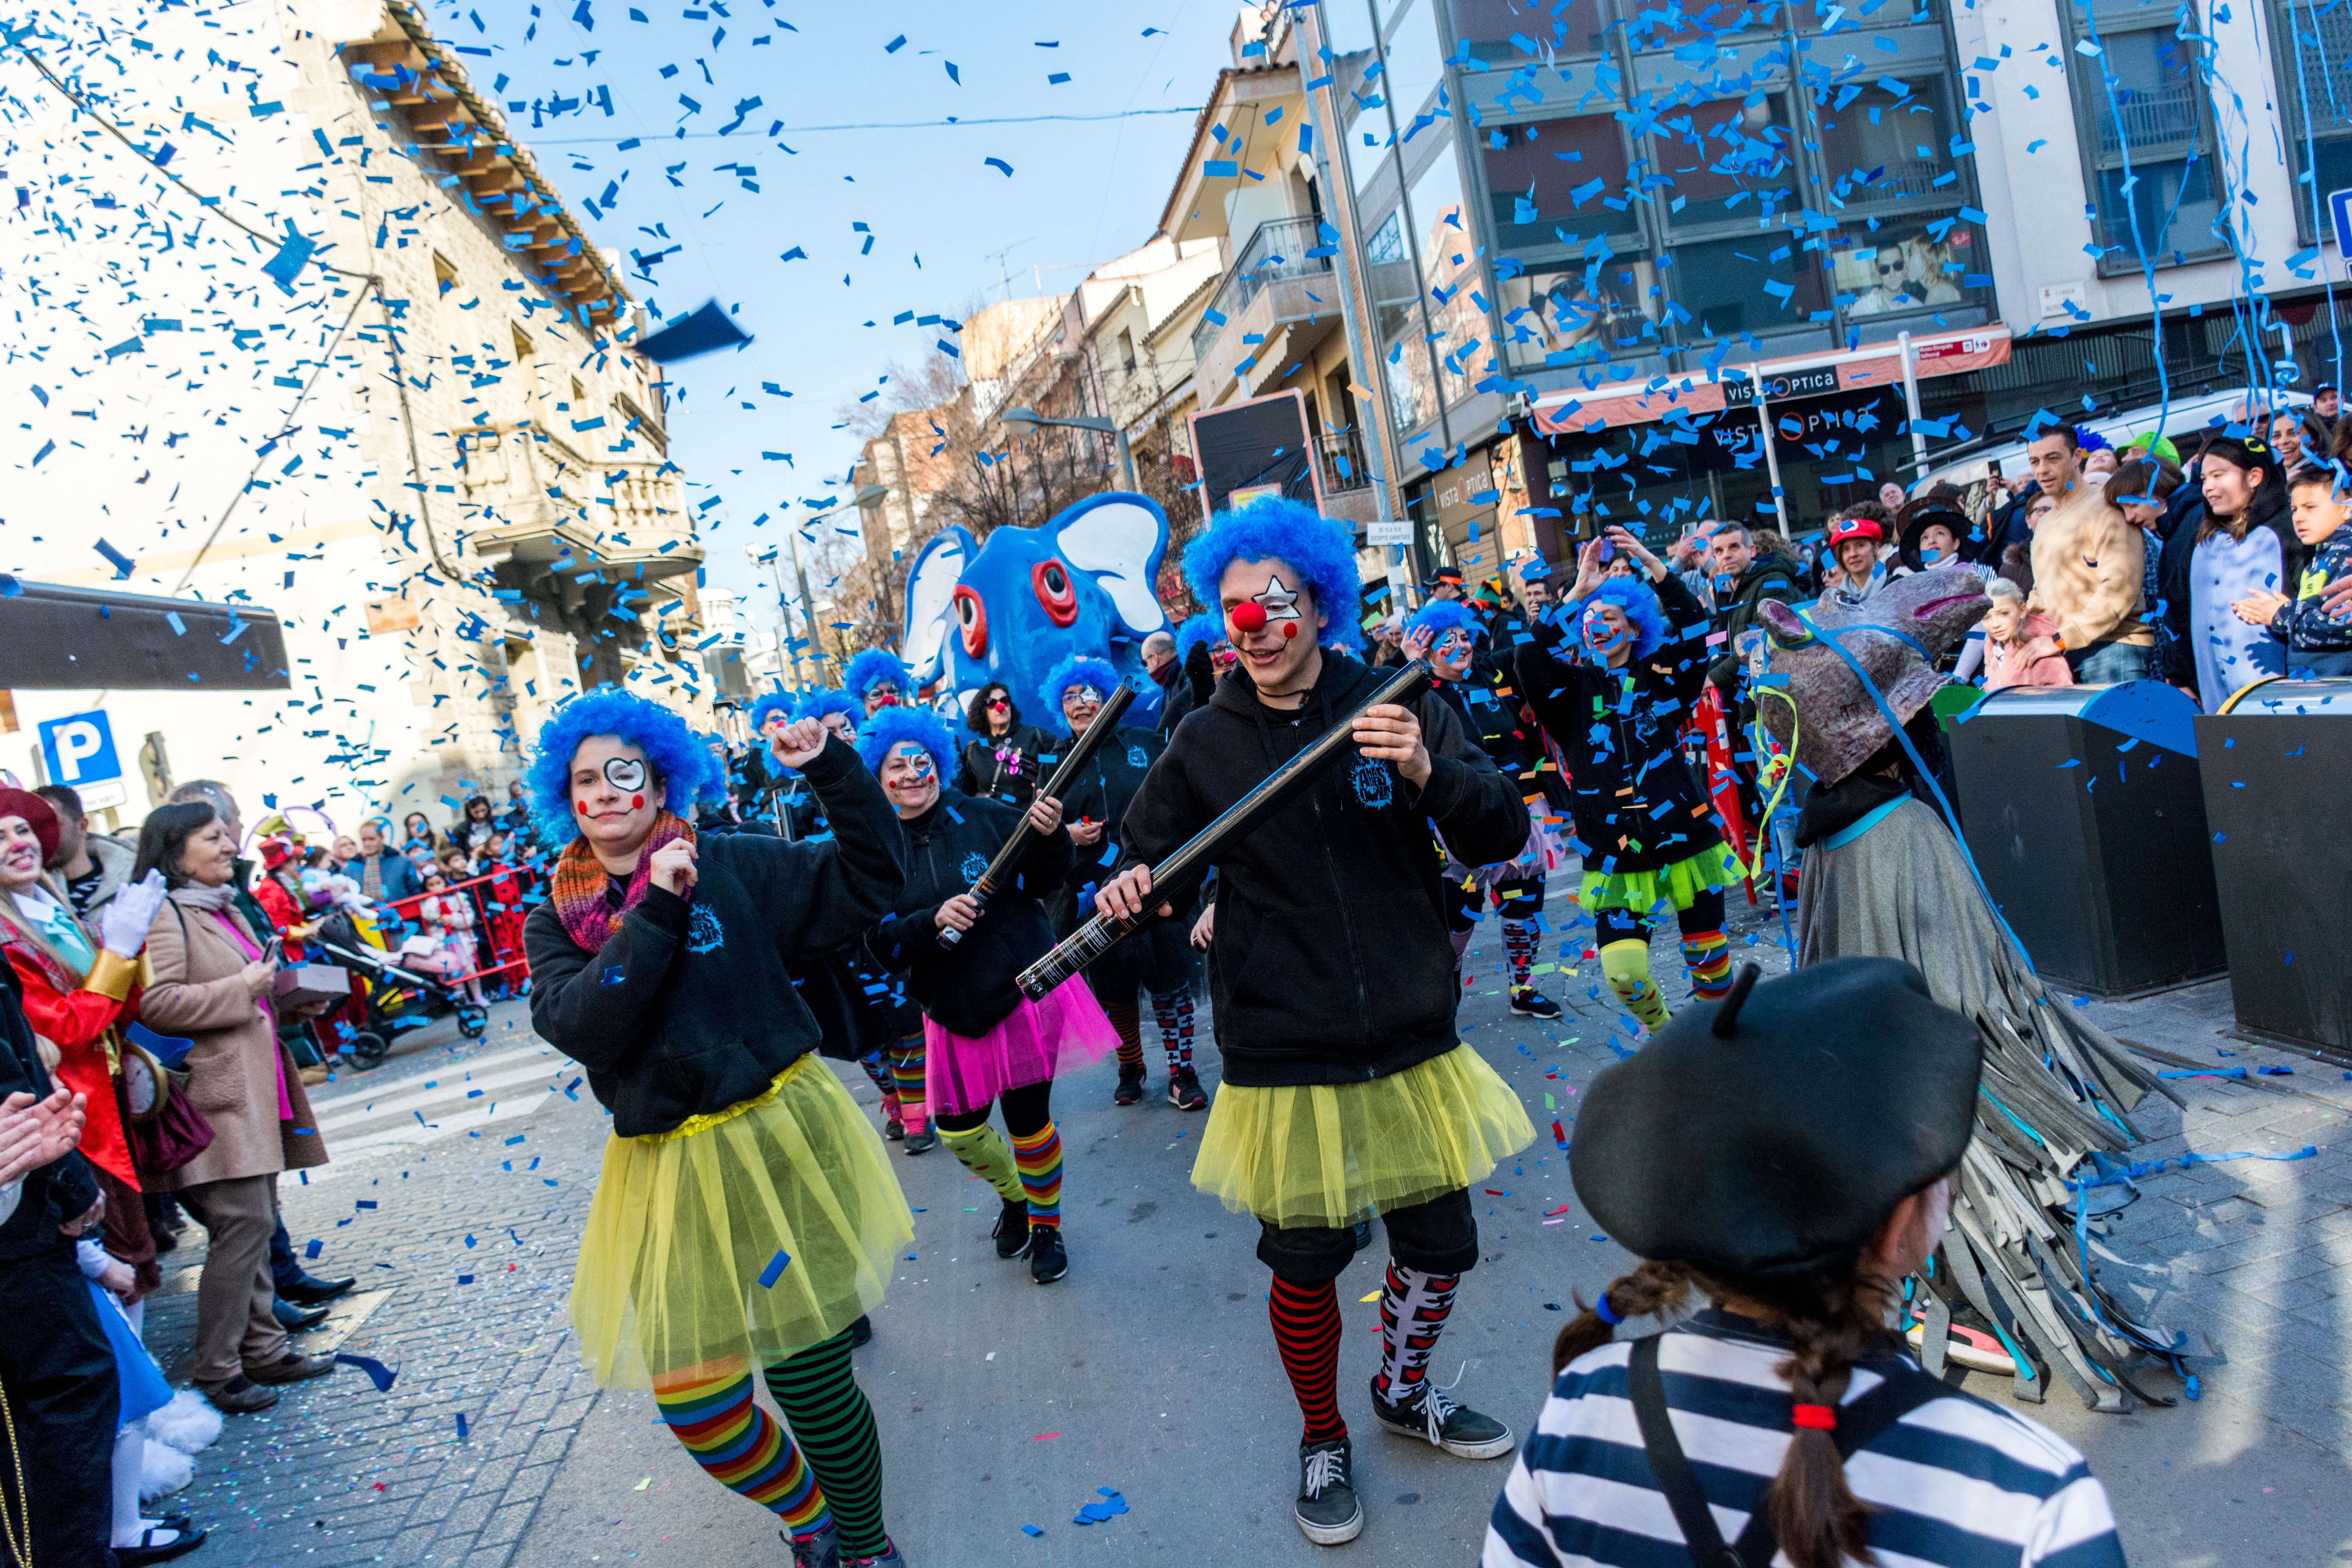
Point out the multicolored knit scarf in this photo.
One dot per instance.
(577, 888)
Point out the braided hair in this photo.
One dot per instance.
(1832, 1321)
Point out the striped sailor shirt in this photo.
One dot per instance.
(1957, 1483)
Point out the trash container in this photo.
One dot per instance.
(2276, 759)
(2082, 807)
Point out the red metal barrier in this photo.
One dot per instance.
(498, 934)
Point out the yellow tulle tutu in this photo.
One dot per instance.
(686, 1226)
(1679, 883)
(1328, 1154)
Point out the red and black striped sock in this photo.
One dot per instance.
(1307, 1330)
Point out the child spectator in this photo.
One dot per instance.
(2240, 551)
(2021, 649)
(449, 920)
(2317, 643)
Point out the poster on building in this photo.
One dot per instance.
(1257, 448)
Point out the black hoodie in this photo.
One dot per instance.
(1330, 963)
(970, 988)
(690, 1008)
(1636, 802)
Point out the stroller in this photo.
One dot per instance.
(397, 998)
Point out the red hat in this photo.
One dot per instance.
(275, 852)
(38, 815)
(1849, 527)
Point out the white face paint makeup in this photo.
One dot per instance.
(625, 773)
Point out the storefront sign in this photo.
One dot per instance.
(1814, 383)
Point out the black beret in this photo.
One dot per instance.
(1780, 1147)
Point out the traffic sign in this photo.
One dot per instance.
(2339, 207)
(79, 749)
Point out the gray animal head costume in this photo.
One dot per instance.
(1837, 726)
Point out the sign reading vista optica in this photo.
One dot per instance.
(79, 752)
(1813, 382)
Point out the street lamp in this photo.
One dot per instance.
(1024, 421)
(774, 563)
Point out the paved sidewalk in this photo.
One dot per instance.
(1150, 1369)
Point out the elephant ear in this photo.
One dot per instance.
(930, 601)
(1118, 539)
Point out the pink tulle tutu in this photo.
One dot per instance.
(1035, 1042)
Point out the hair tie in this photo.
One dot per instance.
(1815, 1418)
(1607, 1314)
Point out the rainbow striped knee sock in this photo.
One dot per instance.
(1707, 955)
(1038, 1157)
(743, 1447)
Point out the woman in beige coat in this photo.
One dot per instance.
(211, 985)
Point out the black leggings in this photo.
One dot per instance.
(1027, 1110)
(1519, 899)
(1705, 913)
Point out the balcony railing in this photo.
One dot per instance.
(1341, 454)
(1278, 249)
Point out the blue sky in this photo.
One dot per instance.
(934, 212)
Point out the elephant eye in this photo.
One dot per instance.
(1056, 591)
(972, 617)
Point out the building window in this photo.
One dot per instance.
(443, 275)
(2140, 98)
(2318, 99)
(1127, 351)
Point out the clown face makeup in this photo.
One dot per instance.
(615, 799)
(1275, 624)
(909, 779)
(840, 724)
(881, 695)
(1607, 633)
(1450, 654)
(1079, 705)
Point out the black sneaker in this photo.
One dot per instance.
(1530, 1003)
(1130, 1085)
(1456, 1428)
(888, 1558)
(1329, 1513)
(1185, 1092)
(1011, 1230)
(861, 1333)
(822, 1550)
(1048, 1260)
(893, 1129)
(921, 1143)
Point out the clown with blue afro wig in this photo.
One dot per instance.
(881, 734)
(1440, 616)
(1203, 629)
(679, 760)
(875, 667)
(1079, 669)
(1638, 601)
(827, 700)
(1321, 551)
(772, 705)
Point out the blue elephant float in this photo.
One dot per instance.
(1013, 607)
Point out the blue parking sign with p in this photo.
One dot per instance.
(80, 750)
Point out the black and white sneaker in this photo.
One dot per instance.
(1530, 1003)
(822, 1550)
(1456, 1428)
(1049, 1261)
(1011, 1230)
(1184, 1091)
(1329, 1512)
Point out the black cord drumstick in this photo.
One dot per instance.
(1000, 869)
(1239, 820)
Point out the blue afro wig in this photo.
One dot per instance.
(1079, 669)
(878, 734)
(770, 704)
(817, 703)
(871, 668)
(1323, 551)
(1639, 602)
(680, 759)
(1201, 629)
(1440, 616)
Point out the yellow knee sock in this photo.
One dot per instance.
(1627, 965)
(983, 1152)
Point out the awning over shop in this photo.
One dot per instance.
(1733, 385)
(71, 639)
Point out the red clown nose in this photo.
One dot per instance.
(1249, 616)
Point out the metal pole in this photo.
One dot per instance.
(808, 604)
(1911, 405)
(783, 619)
(1772, 461)
(1126, 455)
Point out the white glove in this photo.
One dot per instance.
(122, 924)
